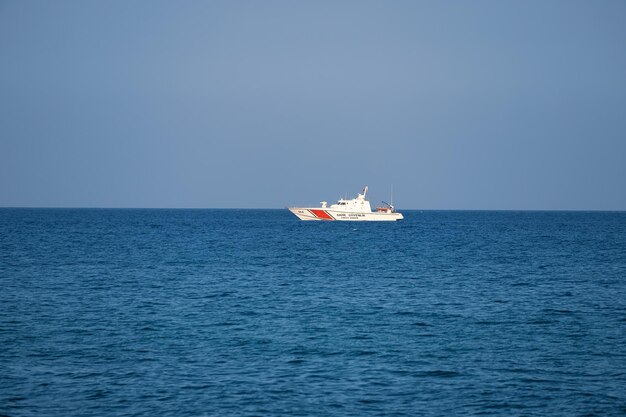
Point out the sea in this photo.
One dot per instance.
(132, 312)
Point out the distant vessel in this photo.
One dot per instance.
(356, 209)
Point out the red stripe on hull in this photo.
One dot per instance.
(321, 214)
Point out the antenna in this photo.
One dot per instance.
(392, 194)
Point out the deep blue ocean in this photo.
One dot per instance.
(254, 313)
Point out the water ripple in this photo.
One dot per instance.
(230, 313)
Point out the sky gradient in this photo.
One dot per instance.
(459, 105)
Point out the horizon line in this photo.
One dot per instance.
(284, 208)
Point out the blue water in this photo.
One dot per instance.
(252, 312)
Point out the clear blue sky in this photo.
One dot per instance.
(459, 105)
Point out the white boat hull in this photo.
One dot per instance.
(328, 214)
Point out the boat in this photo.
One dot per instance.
(356, 209)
